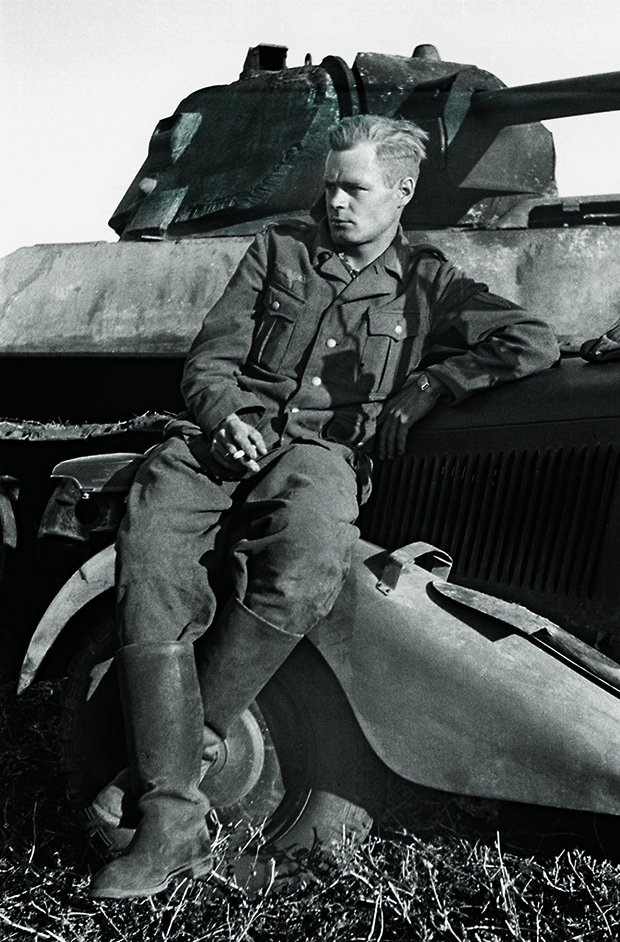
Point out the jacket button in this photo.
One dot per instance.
(330, 343)
(398, 329)
(316, 380)
(275, 306)
(294, 409)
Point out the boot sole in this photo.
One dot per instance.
(195, 871)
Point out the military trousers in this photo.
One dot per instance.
(280, 539)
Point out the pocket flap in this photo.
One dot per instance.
(396, 324)
(281, 303)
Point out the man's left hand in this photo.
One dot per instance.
(400, 412)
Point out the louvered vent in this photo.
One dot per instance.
(530, 518)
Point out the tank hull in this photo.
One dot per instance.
(148, 299)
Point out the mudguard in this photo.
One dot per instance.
(447, 697)
(453, 699)
(8, 526)
(93, 578)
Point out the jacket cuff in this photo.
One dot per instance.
(209, 415)
(447, 391)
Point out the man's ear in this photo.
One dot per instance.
(406, 189)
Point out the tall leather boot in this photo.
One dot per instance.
(235, 658)
(164, 728)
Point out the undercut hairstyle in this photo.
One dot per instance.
(400, 144)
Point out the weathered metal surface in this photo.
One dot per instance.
(569, 277)
(94, 474)
(543, 630)
(149, 298)
(101, 298)
(241, 152)
(447, 702)
(474, 170)
(458, 704)
(91, 579)
(236, 153)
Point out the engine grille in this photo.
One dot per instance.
(533, 518)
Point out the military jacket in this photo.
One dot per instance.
(300, 349)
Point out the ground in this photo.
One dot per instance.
(436, 870)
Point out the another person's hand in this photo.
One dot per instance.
(235, 444)
(400, 412)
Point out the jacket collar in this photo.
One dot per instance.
(395, 258)
(377, 278)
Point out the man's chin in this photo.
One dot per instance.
(343, 233)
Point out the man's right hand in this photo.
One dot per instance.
(236, 444)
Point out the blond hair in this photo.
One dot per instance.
(399, 144)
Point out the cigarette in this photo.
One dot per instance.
(239, 454)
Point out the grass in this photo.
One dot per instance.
(442, 870)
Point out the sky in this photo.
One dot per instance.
(84, 82)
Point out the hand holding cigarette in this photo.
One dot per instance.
(237, 441)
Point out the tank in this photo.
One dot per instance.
(93, 336)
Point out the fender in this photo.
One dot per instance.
(92, 474)
(93, 578)
(8, 526)
(446, 697)
(454, 699)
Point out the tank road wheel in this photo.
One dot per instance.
(296, 772)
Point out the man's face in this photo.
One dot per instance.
(362, 209)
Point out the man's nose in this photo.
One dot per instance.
(337, 198)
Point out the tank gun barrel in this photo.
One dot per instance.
(524, 104)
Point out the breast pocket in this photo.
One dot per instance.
(275, 327)
(391, 344)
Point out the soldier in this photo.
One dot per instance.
(329, 341)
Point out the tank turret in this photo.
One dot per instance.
(234, 156)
